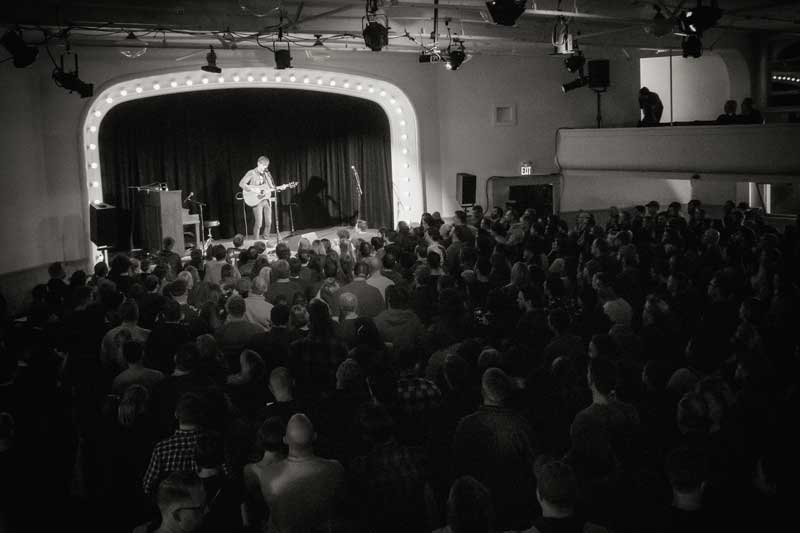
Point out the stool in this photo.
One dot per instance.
(208, 224)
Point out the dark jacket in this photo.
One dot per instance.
(495, 445)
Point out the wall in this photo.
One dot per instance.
(700, 86)
(471, 143)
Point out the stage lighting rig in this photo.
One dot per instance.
(700, 18)
(456, 55)
(506, 12)
(693, 22)
(283, 58)
(430, 56)
(564, 43)
(23, 54)
(211, 62)
(132, 46)
(70, 80)
(692, 46)
(575, 62)
(375, 27)
(583, 81)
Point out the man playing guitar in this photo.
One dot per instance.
(259, 181)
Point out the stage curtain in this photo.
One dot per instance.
(205, 141)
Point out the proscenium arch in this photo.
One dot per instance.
(407, 187)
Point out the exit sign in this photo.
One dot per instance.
(526, 168)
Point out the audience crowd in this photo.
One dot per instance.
(499, 371)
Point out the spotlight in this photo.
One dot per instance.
(283, 59)
(132, 46)
(211, 60)
(583, 81)
(376, 35)
(661, 25)
(575, 62)
(692, 46)
(455, 56)
(71, 81)
(699, 19)
(563, 41)
(23, 54)
(506, 12)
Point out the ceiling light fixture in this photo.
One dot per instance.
(506, 12)
(575, 62)
(132, 47)
(563, 41)
(661, 25)
(211, 62)
(692, 46)
(70, 80)
(583, 81)
(283, 58)
(456, 55)
(23, 54)
(376, 33)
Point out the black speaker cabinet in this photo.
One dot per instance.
(599, 74)
(465, 188)
(103, 224)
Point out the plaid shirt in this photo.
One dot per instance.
(175, 453)
(391, 470)
(417, 395)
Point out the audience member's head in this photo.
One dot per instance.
(182, 502)
(300, 436)
(270, 436)
(602, 376)
(190, 411)
(280, 383)
(279, 316)
(496, 387)
(469, 507)
(348, 303)
(556, 488)
(235, 306)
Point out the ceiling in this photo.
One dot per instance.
(620, 24)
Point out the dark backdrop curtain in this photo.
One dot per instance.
(205, 142)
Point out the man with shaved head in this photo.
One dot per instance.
(303, 492)
(376, 277)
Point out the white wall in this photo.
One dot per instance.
(469, 141)
(700, 86)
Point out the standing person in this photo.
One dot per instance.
(259, 180)
(750, 115)
(303, 492)
(651, 106)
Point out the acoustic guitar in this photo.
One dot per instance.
(252, 198)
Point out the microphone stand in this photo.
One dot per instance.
(200, 205)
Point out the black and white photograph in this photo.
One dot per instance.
(399, 266)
